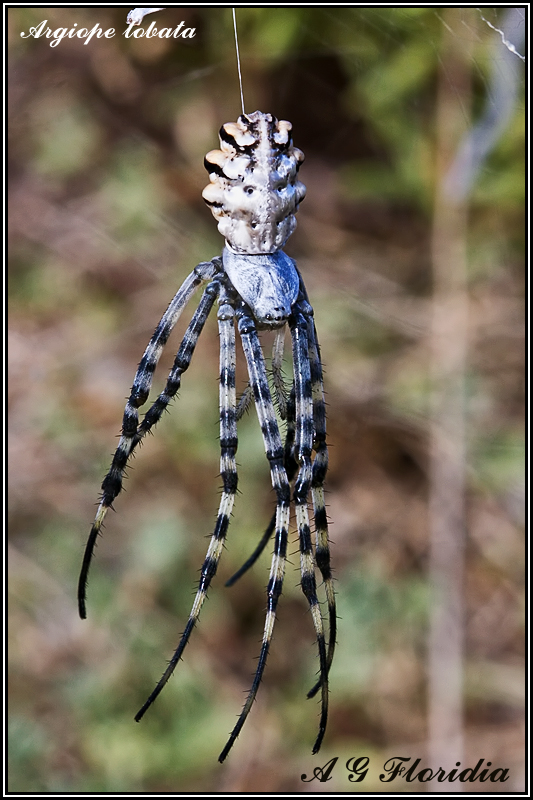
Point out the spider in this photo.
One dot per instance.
(253, 193)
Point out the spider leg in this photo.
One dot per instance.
(285, 407)
(274, 452)
(244, 402)
(277, 372)
(132, 433)
(277, 378)
(291, 467)
(255, 555)
(228, 471)
(320, 467)
(303, 450)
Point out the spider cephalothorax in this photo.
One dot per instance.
(254, 193)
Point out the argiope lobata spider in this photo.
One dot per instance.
(253, 193)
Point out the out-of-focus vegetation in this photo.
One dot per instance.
(106, 169)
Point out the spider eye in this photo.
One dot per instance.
(249, 190)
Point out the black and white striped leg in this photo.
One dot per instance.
(303, 446)
(286, 410)
(274, 451)
(291, 468)
(320, 467)
(277, 372)
(246, 399)
(132, 433)
(228, 471)
(181, 362)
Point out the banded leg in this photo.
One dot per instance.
(303, 450)
(131, 435)
(228, 471)
(285, 406)
(181, 362)
(277, 372)
(291, 468)
(320, 467)
(244, 402)
(274, 452)
(247, 396)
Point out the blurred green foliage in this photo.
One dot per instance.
(106, 150)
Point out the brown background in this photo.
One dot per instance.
(106, 219)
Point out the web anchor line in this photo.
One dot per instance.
(238, 59)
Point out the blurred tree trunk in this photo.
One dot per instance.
(449, 348)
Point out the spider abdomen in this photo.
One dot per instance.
(254, 191)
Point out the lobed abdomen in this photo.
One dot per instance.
(254, 191)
